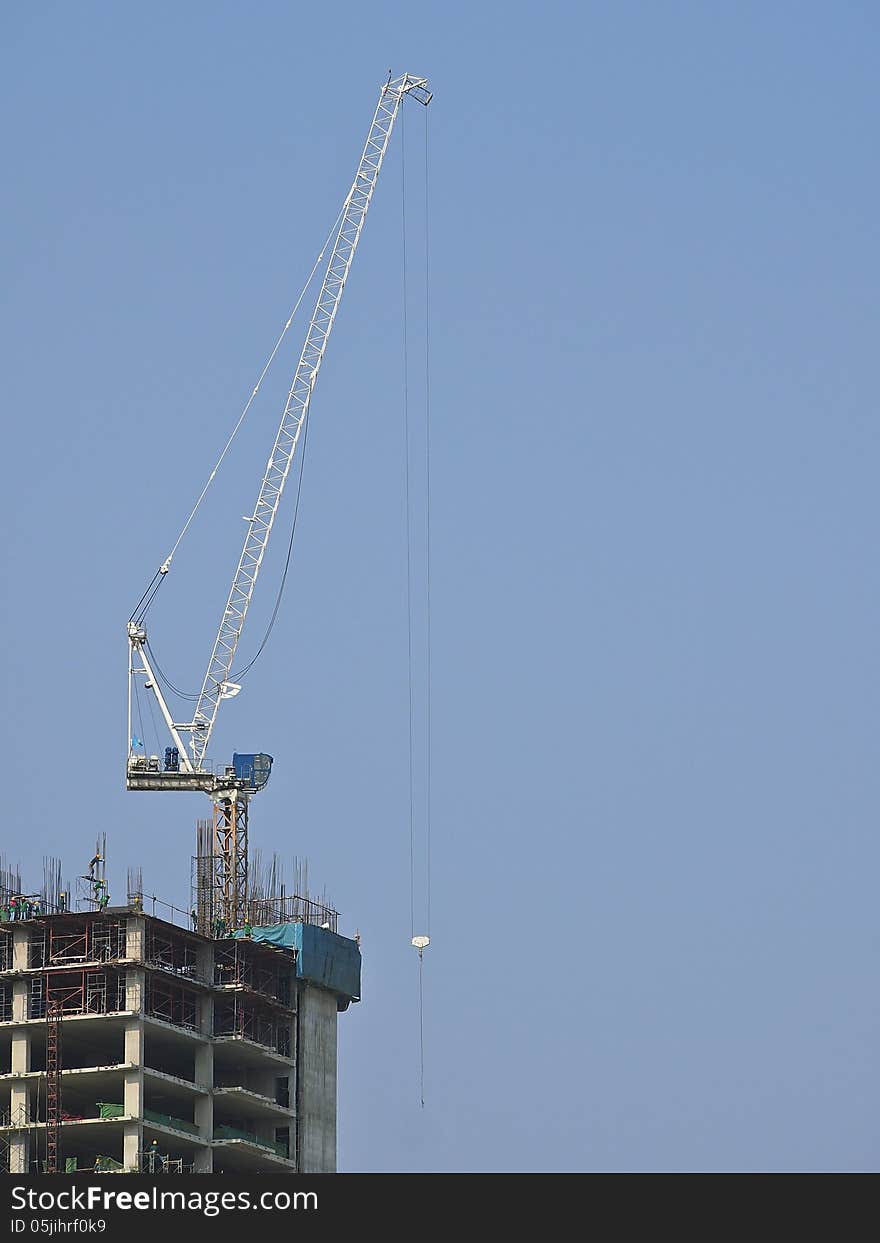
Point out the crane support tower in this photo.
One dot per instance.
(185, 765)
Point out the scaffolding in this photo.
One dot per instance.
(77, 940)
(236, 965)
(172, 951)
(243, 1019)
(171, 1003)
(53, 1082)
(152, 1162)
(77, 992)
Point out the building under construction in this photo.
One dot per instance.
(135, 1041)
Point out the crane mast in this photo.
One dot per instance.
(185, 765)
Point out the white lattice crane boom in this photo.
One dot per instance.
(190, 770)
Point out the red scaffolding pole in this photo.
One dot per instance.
(53, 1083)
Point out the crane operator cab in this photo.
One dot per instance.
(251, 770)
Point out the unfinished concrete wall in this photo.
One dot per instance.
(316, 1088)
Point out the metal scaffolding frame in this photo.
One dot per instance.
(77, 939)
(150, 1162)
(53, 1082)
(172, 951)
(237, 964)
(239, 1016)
(77, 992)
(171, 1002)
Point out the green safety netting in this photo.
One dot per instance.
(231, 1132)
(167, 1120)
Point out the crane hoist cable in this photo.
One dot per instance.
(240, 673)
(422, 939)
(428, 676)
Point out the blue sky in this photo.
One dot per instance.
(655, 595)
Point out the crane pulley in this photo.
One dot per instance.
(185, 765)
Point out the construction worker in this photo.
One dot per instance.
(155, 1159)
(62, 902)
(247, 928)
(195, 918)
(103, 901)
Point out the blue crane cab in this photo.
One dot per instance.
(253, 770)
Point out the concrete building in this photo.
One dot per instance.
(178, 1051)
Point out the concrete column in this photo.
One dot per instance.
(134, 1042)
(133, 1079)
(204, 1076)
(203, 1161)
(132, 1143)
(204, 1068)
(21, 1050)
(134, 937)
(135, 990)
(133, 1093)
(20, 944)
(316, 1081)
(204, 1120)
(206, 1016)
(20, 990)
(205, 961)
(133, 1088)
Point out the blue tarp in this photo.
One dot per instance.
(322, 957)
(275, 934)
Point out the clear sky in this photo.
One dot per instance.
(655, 587)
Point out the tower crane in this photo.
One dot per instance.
(186, 766)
